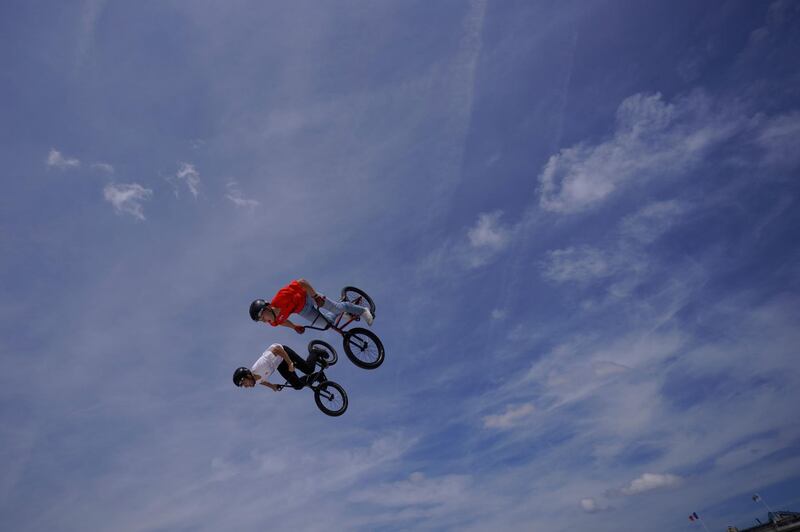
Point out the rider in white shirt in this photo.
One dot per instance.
(285, 360)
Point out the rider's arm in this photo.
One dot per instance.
(319, 298)
(264, 382)
(281, 352)
(307, 287)
(297, 328)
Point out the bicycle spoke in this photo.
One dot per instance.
(366, 352)
(359, 343)
(363, 348)
(331, 398)
(332, 401)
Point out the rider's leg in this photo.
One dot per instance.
(315, 355)
(345, 306)
(330, 310)
(291, 377)
(338, 307)
(304, 365)
(311, 313)
(297, 381)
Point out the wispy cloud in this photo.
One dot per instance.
(188, 176)
(513, 415)
(236, 196)
(652, 138)
(578, 264)
(416, 490)
(56, 160)
(778, 138)
(592, 505)
(91, 11)
(103, 167)
(498, 314)
(482, 243)
(624, 263)
(651, 481)
(127, 198)
(653, 220)
(487, 238)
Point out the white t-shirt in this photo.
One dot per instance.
(267, 362)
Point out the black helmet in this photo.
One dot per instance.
(240, 374)
(256, 308)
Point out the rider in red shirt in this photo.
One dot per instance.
(299, 297)
(289, 300)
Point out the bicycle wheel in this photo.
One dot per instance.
(358, 297)
(331, 357)
(363, 347)
(330, 398)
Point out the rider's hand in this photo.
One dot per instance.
(320, 300)
(291, 368)
(299, 329)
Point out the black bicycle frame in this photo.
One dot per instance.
(324, 393)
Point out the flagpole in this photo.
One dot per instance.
(760, 499)
(702, 523)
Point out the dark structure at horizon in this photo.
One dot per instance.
(777, 522)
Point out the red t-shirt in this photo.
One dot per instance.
(290, 299)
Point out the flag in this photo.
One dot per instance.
(756, 497)
(694, 517)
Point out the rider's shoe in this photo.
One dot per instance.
(367, 315)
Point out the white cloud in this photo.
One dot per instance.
(513, 415)
(483, 242)
(498, 314)
(577, 264)
(488, 232)
(592, 505)
(91, 11)
(652, 138)
(103, 167)
(236, 196)
(604, 368)
(750, 452)
(416, 490)
(57, 160)
(653, 220)
(780, 21)
(486, 239)
(651, 481)
(779, 137)
(625, 263)
(189, 176)
(127, 198)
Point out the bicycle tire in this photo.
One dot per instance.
(347, 295)
(332, 357)
(337, 404)
(368, 352)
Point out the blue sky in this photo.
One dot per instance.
(578, 221)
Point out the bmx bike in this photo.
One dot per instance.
(330, 397)
(362, 346)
